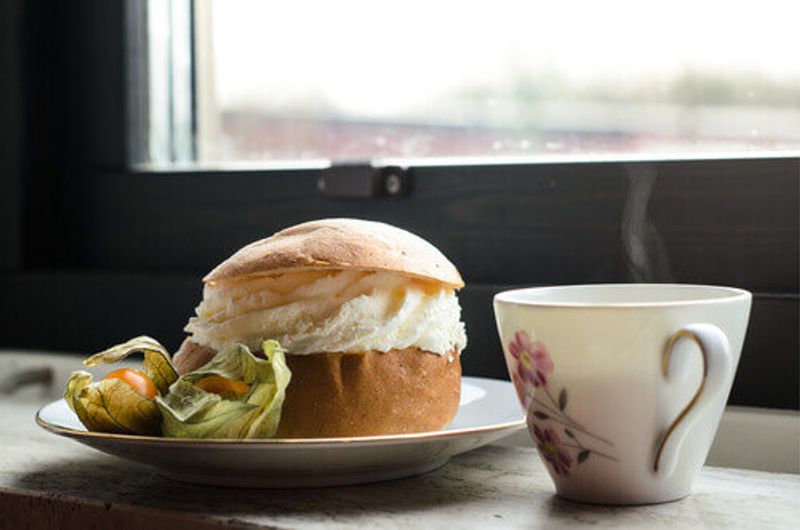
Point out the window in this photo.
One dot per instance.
(304, 81)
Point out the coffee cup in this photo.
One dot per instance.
(623, 384)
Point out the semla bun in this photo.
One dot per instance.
(337, 394)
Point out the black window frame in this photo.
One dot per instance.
(98, 251)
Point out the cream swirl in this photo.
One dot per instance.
(330, 311)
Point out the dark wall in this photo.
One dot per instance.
(11, 123)
(97, 253)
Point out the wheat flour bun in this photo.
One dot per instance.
(374, 393)
(341, 244)
(348, 379)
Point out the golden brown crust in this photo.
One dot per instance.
(359, 394)
(352, 244)
(372, 393)
(191, 356)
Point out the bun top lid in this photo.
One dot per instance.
(352, 244)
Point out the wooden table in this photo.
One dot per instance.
(49, 482)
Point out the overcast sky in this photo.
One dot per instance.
(378, 58)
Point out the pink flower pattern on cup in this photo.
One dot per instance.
(533, 363)
(550, 448)
(545, 413)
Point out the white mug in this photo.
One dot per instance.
(624, 385)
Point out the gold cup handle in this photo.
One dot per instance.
(717, 362)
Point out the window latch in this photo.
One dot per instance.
(363, 180)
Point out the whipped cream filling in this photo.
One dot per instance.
(330, 311)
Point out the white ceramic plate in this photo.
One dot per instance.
(489, 410)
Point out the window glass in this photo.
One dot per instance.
(306, 80)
